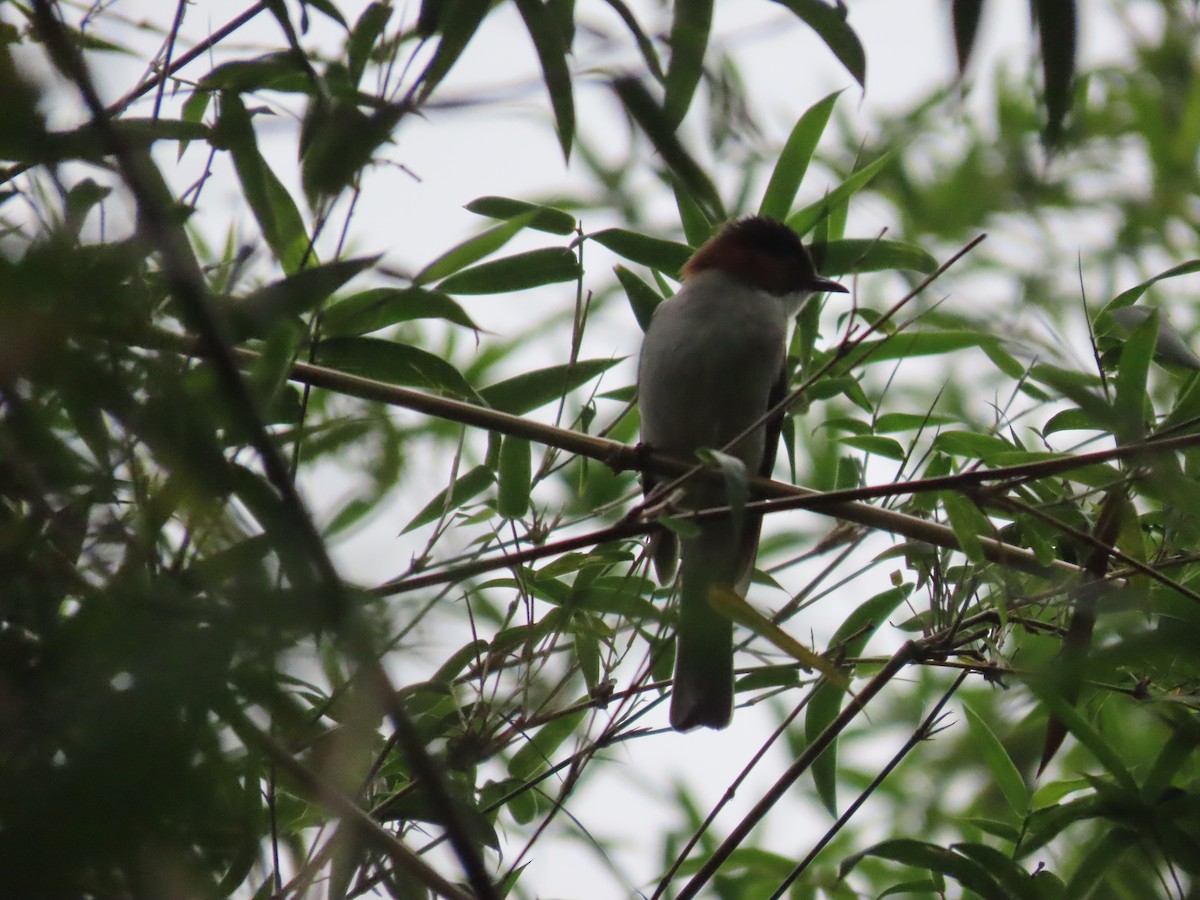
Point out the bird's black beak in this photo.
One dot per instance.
(824, 284)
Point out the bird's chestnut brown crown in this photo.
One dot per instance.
(764, 253)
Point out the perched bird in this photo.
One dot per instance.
(713, 361)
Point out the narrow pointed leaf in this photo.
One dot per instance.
(794, 159)
(691, 23)
(849, 640)
(544, 218)
(659, 128)
(546, 32)
(515, 470)
(465, 488)
(965, 15)
(527, 392)
(457, 21)
(1058, 30)
(806, 219)
(665, 256)
(393, 363)
(855, 255)
(377, 308)
(643, 299)
(1004, 770)
(549, 265)
(473, 249)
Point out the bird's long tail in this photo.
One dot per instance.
(703, 684)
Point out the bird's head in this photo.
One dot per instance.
(764, 253)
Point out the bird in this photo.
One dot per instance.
(713, 361)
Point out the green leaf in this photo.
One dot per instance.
(665, 256)
(277, 214)
(875, 444)
(282, 71)
(472, 250)
(544, 218)
(254, 314)
(967, 872)
(644, 44)
(394, 363)
(377, 308)
(697, 227)
(338, 140)
(829, 22)
(1017, 883)
(861, 255)
(691, 23)
(1129, 404)
(826, 700)
(999, 763)
(537, 755)
(194, 108)
(548, 41)
(643, 299)
(519, 272)
(969, 524)
(1133, 294)
(1104, 852)
(659, 128)
(1078, 727)
(794, 159)
(806, 219)
(515, 470)
(465, 489)
(530, 390)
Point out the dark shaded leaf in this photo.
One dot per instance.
(691, 23)
(254, 314)
(394, 363)
(829, 22)
(548, 40)
(645, 45)
(473, 249)
(643, 299)
(544, 218)
(377, 308)
(1058, 29)
(965, 15)
(273, 207)
(282, 71)
(667, 257)
(970, 874)
(364, 36)
(457, 21)
(659, 128)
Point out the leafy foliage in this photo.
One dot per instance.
(998, 569)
